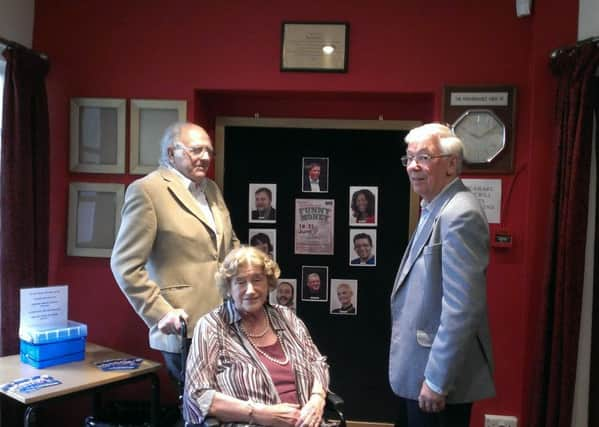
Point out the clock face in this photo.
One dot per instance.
(483, 135)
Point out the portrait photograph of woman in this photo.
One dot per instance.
(264, 239)
(363, 206)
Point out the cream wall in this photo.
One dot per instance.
(16, 20)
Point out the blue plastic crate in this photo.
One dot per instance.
(53, 346)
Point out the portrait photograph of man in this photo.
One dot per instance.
(362, 247)
(315, 178)
(315, 283)
(262, 203)
(284, 294)
(344, 296)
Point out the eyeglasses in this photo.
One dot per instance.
(421, 159)
(195, 151)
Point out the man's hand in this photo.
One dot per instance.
(171, 323)
(429, 401)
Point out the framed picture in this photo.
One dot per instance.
(285, 293)
(149, 119)
(315, 174)
(362, 247)
(94, 218)
(97, 130)
(315, 46)
(262, 203)
(363, 206)
(344, 297)
(264, 239)
(315, 283)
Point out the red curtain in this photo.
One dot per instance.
(552, 392)
(24, 186)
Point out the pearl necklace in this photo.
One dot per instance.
(259, 334)
(268, 356)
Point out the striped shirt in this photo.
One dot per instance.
(221, 359)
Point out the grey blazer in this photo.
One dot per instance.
(439, 304)
(165, 254)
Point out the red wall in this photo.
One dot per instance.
(223, 58)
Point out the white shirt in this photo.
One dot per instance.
(197, 191)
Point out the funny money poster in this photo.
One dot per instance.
(314, 225)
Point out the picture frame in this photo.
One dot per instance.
(362, 247)
(149, 119)
(315, 46)
(286, 297)
(264, 239)
(344, 291)
(94, 218)
(309, 165)
(363, 206)
(320, 291)
(262, 203)
(97, 135)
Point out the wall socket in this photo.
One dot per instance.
(500, 421)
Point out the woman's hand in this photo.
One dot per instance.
(311, 413)
(279, 415)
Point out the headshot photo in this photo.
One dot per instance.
(362, 250)
(315, 174)
(264, 239)
(315, 282)
(262, 203)
(344, 296)
(284, 294)
(363, 203)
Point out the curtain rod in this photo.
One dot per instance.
(559, 50)
(15, 45)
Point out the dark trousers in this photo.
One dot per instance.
(175, 366)
(410, 415)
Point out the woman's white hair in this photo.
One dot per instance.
(245, 256)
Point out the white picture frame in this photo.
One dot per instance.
(274, 298)
(363, 206)
(363, 237)
(94, 218)
(266, 190)
(97, 135)
(335, 305)
(149, 119)
(261, 237)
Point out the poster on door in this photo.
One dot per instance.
(314, 226)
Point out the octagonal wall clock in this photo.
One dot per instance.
(483, 118)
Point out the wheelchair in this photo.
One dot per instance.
(333, 410)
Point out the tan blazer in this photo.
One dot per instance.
(165, 254)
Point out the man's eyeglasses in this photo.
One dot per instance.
(195, 151)
(421, 159)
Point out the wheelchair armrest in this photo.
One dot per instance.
(334, 404)
(334, 401)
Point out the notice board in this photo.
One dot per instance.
(356, 345)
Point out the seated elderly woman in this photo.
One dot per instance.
(252, 362)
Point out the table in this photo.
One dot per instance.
(79, 377)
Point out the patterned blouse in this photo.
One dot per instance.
(222, 359)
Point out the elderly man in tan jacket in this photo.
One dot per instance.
(175, 230)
